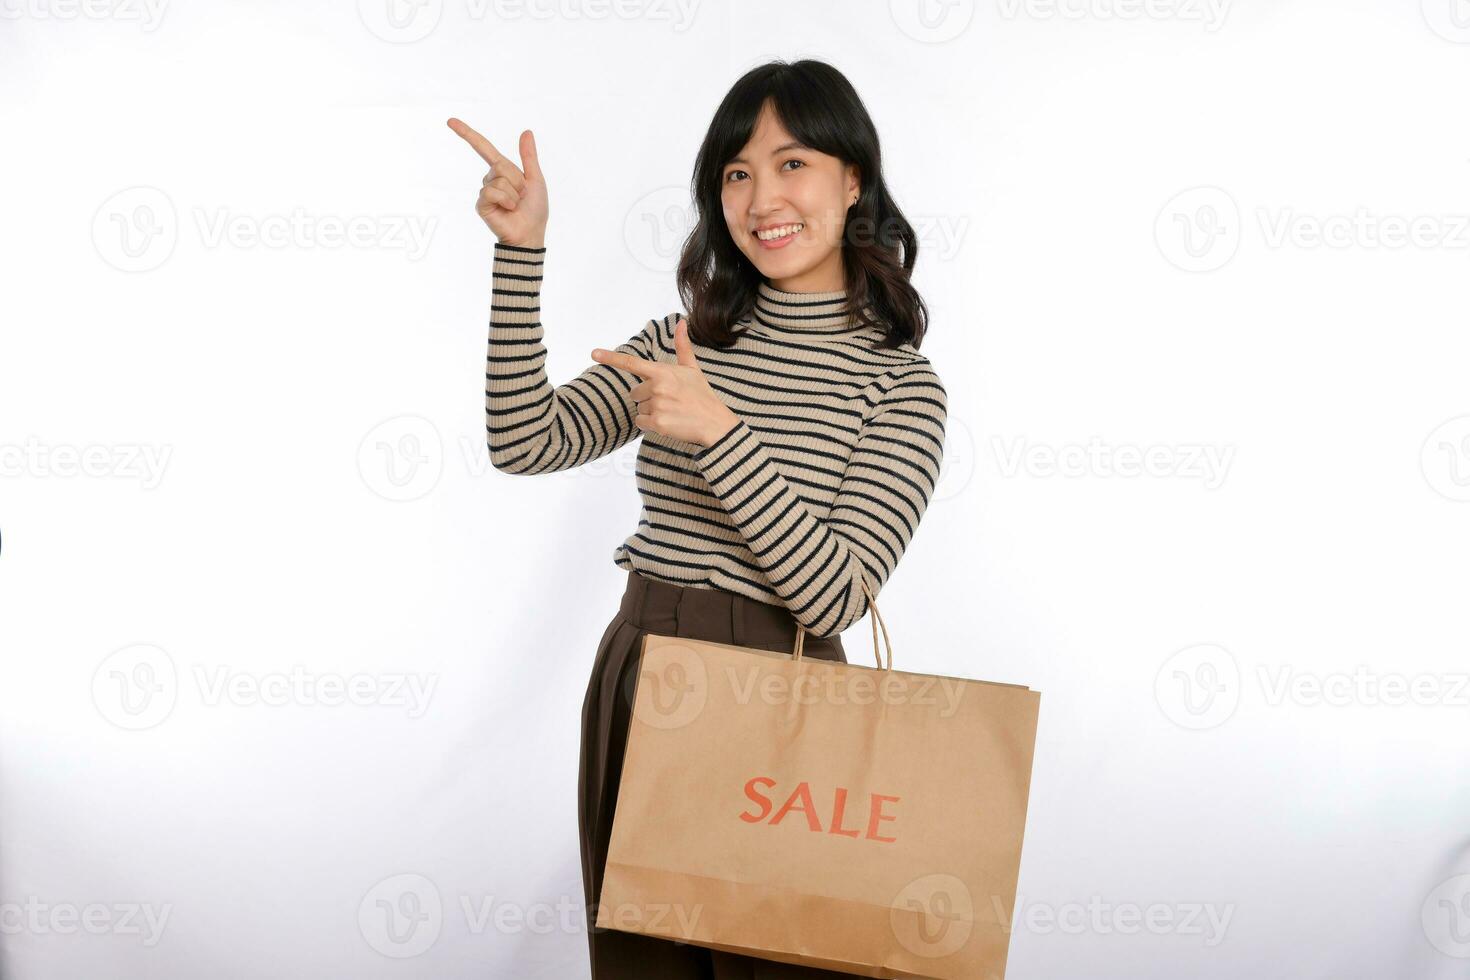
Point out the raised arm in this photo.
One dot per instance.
(814, 564)
(530, 426)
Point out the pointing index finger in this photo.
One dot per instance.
(640, 366)
(482, 146)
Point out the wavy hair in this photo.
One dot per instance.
(818, 105)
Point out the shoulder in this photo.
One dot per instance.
(914, 370)
(661, 330)
(915, 387)
(904, 357)
(668, 321)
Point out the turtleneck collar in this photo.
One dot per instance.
(812, 316)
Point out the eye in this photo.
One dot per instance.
(730, 177)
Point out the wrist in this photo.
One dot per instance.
(720, 430)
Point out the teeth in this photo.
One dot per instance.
(781, 232)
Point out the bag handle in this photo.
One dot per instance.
(877, 622)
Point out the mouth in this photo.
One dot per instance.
(779, 235)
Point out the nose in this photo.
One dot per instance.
(765, 201)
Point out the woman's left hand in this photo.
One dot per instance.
(674, 400)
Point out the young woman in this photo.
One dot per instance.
(792, 432)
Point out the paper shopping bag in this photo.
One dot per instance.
(832, 815)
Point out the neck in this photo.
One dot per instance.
(812, 315)
(826, 277)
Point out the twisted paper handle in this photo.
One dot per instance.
(877, 622)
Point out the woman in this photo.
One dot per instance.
(792, 432)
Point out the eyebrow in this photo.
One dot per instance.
(789, 145)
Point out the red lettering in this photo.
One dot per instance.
(876, 814)
(839, 803)
(751, 792)
(800, 801)
(802, 794)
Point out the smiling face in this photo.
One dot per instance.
(786, 205)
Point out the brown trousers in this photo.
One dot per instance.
(651, 606)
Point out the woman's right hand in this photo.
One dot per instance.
(512, 202)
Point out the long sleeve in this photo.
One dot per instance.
(814, 564)
(530, 426)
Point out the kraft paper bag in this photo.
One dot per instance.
(832, 815)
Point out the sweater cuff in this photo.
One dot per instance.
(730, 435)
(503, 247)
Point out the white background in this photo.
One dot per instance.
(1165, 228)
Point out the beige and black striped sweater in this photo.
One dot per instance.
(824, 478)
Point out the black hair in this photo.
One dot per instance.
(818, 105)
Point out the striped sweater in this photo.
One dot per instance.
(824, 478)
